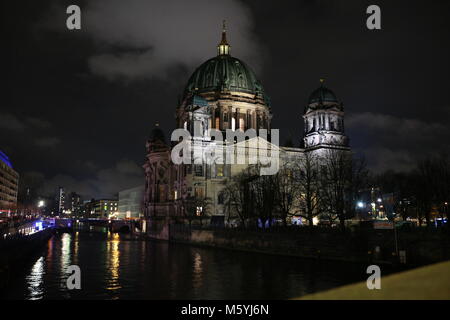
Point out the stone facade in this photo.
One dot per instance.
(224, 97)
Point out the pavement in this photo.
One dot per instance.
(431, 282)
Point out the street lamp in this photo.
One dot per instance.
(41, 203)
(360, 204)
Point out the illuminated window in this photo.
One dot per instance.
(217, 123)
(241, 124)
(199, 193)
(219, 170)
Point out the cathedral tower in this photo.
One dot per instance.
(324, 121)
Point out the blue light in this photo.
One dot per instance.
(39, 226)
(4, 158)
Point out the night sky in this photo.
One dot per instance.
(80, 104)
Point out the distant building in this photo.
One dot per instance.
(87, 208)
(9, 183)
(60, 201)
(103, 208)
(130, 203)
(75, 204)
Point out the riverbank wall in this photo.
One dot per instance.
(412, 248)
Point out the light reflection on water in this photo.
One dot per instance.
(66, 257)
(113, 262)
(113, 267)
(35, 280)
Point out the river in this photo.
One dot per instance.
(113, 267)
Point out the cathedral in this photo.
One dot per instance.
(223, 95)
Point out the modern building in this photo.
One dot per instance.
(9, 184)
(75, 204)
(222, 102)
(87, 208)
(103, 208)
(60, 201)
(131, 203)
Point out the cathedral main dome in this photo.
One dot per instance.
(223, 93)
(224, 72)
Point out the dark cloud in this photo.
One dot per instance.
(395, 142)
(39, 123)
(11, 122)
(105, 183)
(146, 39)
(47, 142)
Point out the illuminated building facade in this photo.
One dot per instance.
(130, 203)
(9, 183)
(103, 209)
(224, 94)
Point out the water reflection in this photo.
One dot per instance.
(35, 280)
(75, 248)
(113, 261)
(113, 267)
(198, 271)
(65, 258)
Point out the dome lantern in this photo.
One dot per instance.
(223, 48)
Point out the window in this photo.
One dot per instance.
(220, 198)
(199, 193)
(219, 170)
(217, 123)
(241, 123)
(198, 170)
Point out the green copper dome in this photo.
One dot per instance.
(322, 94)
(224, 72)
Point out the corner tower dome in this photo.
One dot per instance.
(322, 94)
(224, 73)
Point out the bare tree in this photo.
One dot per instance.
(432, 187)
(286, 191)
(341, 176)
(196, 208)
(238, 195)
(308, 187)
(264, 191)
